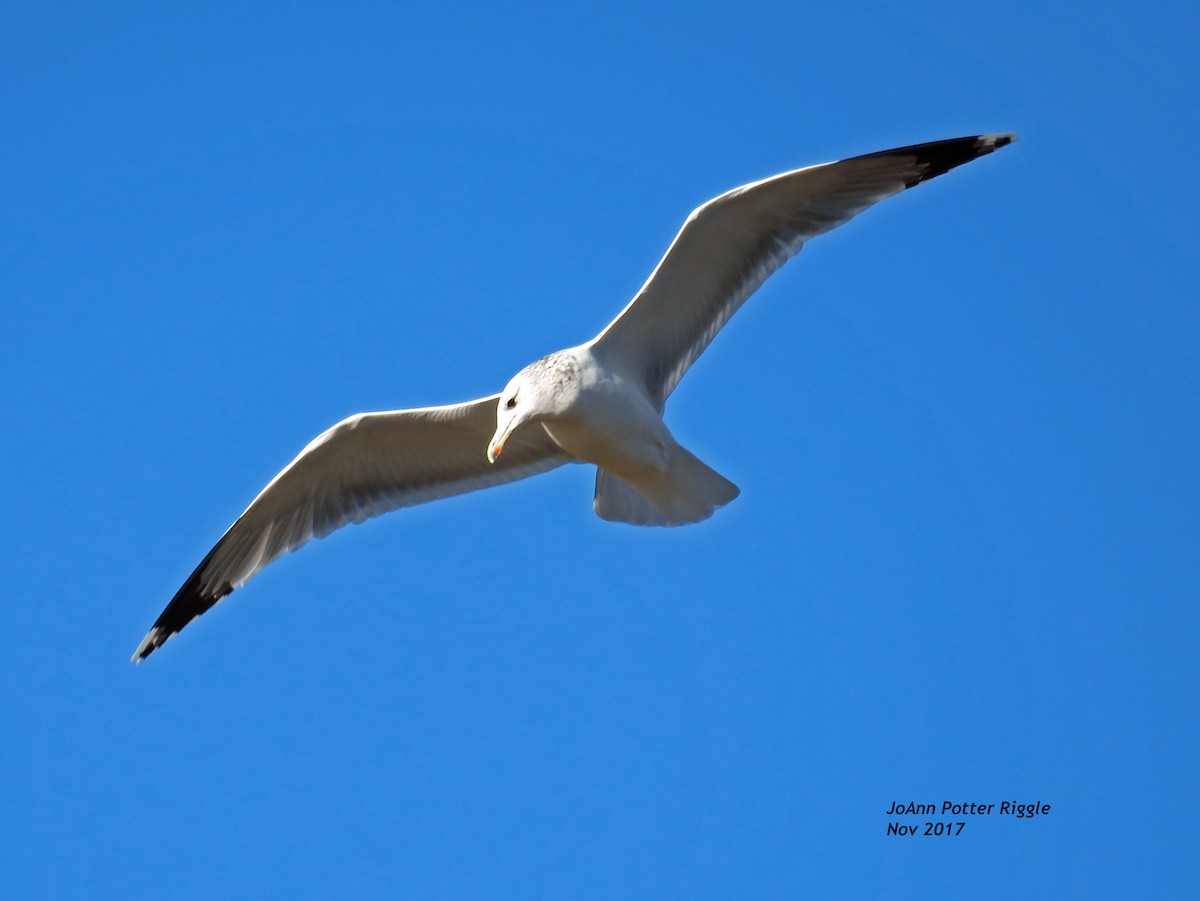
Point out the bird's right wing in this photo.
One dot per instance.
(731, 245)
(363, 466)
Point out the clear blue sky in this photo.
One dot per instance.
(963, 565)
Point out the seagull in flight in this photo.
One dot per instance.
(600, 402)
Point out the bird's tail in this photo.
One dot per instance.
(687, 491)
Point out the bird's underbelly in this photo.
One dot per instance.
(624, 435)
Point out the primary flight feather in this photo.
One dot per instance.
(600, 402)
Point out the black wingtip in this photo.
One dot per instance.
(192, 600)
(153, 640)
(939, 157)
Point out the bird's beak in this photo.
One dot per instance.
(496, 445)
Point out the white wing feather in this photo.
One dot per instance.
(729, 246)
(365, 465)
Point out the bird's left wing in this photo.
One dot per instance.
(730, 245)
(363, 466)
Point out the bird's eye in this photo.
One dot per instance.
(512, 402)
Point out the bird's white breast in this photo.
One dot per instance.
(611, 423)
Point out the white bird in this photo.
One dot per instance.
(601, 402)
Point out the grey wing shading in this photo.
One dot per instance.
(729, 246)
(363, 466)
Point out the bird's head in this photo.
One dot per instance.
(541, 390)
(517, 405)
